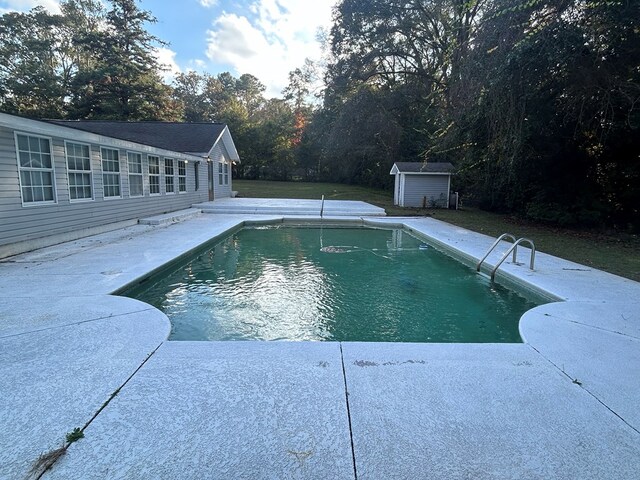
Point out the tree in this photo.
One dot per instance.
(390, 42)
(32, 77)
(124, 82)
(405, 58)
(275, 129)
(189, 91)
(263, 130)
(300, 88)
(249, 91)
(298, 95)
(535, 102)
(83, 63)
(551, 131)
(366, 134)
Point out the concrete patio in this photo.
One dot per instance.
(288, 207)
(561, 405)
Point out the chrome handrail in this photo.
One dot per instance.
(322, 207)
(495, 244)
(513, 247)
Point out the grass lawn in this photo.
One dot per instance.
(611, 252)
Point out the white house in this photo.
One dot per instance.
(419, 184)
(61, 180)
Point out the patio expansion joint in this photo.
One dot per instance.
(45, 468)
(65, 325)
(579, 384)
(346, 396)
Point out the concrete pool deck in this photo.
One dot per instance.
(564, 404)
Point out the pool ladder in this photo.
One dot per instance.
(512, 249)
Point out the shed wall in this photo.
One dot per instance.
(416, 187)
(20, 223)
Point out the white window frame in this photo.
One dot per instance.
(83, 172)
(182, 178)
(226, 172)
(21, 169)
(221, 172)
(119, 173)
(172, 176)
(151, 175)
(135, 174)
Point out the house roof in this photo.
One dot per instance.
(195, 138)
(63, 130)
(421, 167)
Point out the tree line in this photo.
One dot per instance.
(534, 102)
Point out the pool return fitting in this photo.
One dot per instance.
(512, 249)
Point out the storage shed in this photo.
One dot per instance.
(422, 184)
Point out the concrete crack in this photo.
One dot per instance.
(346, 394)
(53, 327)
(54, 456)
(580, 384)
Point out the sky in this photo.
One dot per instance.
(266, 38)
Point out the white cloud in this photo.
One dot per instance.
(281, 36)
(208, 3)
(52, 6)
(199, 64)
(167, 58)
(195, 65)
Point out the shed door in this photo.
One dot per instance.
(432, 190)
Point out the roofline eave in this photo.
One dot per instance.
(42, 127)
(227, 141)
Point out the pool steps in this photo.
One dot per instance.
(171, 217)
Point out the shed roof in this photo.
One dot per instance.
(196, 138)
(421, 167)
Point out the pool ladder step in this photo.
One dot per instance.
(513, 249)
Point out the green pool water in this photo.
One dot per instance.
(331, 284)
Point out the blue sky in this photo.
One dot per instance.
(266, 38)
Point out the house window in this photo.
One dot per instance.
(110, 172)
(154, 175)
(168, 176)
(182, 176)
(36, 169)
(196, 171)
(226, 173)
(79, 171)
(220, 173)
(136, 184)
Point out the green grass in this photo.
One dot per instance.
(611, 252)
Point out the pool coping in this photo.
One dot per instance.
(522, 288)
(569, 283)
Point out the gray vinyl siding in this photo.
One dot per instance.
(22, 223)
(9, 181)
(219, 153)
(416, 187)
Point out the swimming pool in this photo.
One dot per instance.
(331, 284)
